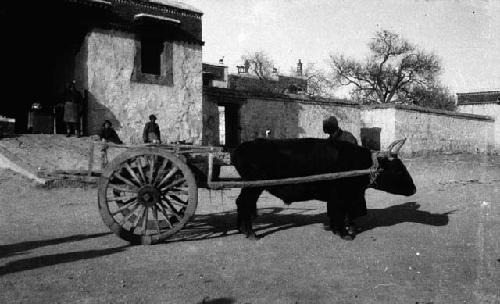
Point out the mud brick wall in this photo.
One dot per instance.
(210, 121)
(490, 109)
(431, 130)
(383, 119)
(291, 118)
(114, 95)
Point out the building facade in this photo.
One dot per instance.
(130, 59)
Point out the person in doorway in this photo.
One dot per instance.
(151, 133)
(72, 100)
(331, 127)
(108, 134)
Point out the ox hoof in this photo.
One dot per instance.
(252, 237)
(348, 237)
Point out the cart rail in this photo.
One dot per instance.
(224, 184)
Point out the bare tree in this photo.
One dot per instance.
(259, 64)
(436, 96)
(318, 83)
(395, 66)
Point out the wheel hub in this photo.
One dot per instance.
(148, 195)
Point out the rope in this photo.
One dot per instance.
(374, 171)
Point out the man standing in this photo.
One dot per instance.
(151, 133)
(331, 127)
(72, 100)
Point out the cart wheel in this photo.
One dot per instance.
(147, 195)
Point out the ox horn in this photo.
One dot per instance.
(396, 146)
(392, 145)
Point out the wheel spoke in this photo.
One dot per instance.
(144, 225)
(138, 162)
(138, 217)
(171, 208)
(151, 169)
(155, 217)
(160, 170)
(121, 198)
(123, 179)
(175, 199)
(121, 189)
(173, 184)
(128, 216)
(171, 173)
(162, 209)
(132, 173)
(124, 207)
(179, 191)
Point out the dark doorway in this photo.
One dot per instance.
(229, 125)
(39, 60)
(370, 138)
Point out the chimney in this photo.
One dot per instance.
(275, 70)
(299, 68)
(221, 61)
(246, 65)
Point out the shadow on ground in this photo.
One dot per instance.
(52, 259)
(55, 259)
(20, 248)
(218, 301)
(276, 219)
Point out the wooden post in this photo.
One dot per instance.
(104, 156)
(210, 167)
(91, 159)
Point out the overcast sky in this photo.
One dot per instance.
(464, 34)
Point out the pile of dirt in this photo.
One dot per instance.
(53, 152)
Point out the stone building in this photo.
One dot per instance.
(130, 58)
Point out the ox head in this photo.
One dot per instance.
(394, 177)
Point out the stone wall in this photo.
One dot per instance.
(114, 96)
(284, 117)
(426, 130)
(489, 109)
(431, 130)
(383, 119)
(312, 115)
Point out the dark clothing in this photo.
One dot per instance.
(151, 132)
(342, 135)
(72, 101)
(109, 134)
(358, 206)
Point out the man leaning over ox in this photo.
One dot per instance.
(331, 127)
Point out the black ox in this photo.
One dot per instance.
(278, 159)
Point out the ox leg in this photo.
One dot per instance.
(337, 212)
(247, 210)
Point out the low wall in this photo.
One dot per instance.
(431, 130)
(284, 117)
(490, 109)
(288, 118)
(376, 127)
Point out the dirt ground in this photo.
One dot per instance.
(438, 246)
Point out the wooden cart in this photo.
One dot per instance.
(148, 193)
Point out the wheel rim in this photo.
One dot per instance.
(147, 197)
